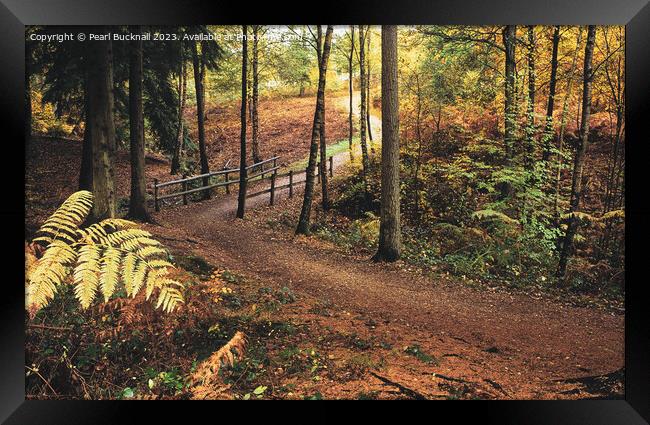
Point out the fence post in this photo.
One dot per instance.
(272, 201)
(318, 171)
(184, 190)
(155, 195)
(227, 183)
(331, 166)
(290, 183)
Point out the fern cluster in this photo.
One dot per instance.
(99, 258)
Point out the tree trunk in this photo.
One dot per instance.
(138, 201)
(199, 70)
(576, 187)
(303, 222)
(180, 135)
(365, 159)
(563, 118)
(389, 228)
(368, 101)
(86, 172)
(243, 175)
(530, 110)
(509, 33)
(548, 128)
(350, 73)
(255, 98)
(323, 142)
(102, 128)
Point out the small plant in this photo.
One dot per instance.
(98, 258)
(415, 351)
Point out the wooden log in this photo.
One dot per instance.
(290, 183)
(185, 190)
(331, 166)
(155, 195)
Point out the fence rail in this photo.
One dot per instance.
(260, 173)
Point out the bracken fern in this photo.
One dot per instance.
(98, 257)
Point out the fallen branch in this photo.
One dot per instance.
(496, 385)
(52, 328)
(407, 391)
(450, 378)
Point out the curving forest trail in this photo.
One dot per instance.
(511, 345)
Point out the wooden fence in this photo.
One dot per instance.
(222, 179)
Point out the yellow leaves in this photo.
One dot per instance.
(110, 272)
(64, 223)
(48, 272)
(86, 274)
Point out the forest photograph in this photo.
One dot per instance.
(244, 212)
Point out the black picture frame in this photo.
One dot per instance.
(635, 14)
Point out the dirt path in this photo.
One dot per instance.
(520, 343)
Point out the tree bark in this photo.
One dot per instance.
(368, 101)
(138, 201)
(389, 228)
(365, 159)
(563, 118)
(255, 122)
(509, 35)
(323, 142)
(180, 135)
(576, 187)
(102, 128)
(86, 172)
(243, 175)
(350, 73)
(199, 71)
(305, 213)
(548, 128)
(530, 110)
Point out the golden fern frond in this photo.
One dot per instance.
(151, 251)
(128, 272)
(110, 274)
(48, 272)
(65, 221)
(168, 298)
(100, 256)
(86, 274)
(139, 277)
(206, 374)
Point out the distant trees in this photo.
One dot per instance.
(243, 175)
(350, 78)
(547, 136)
(138, 199)
(389, 230)
(365, 158)
(182, 96)
(305, 213)
(577, 184)
(199, 75)
(255, 121)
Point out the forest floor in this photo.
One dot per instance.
(365, 330)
